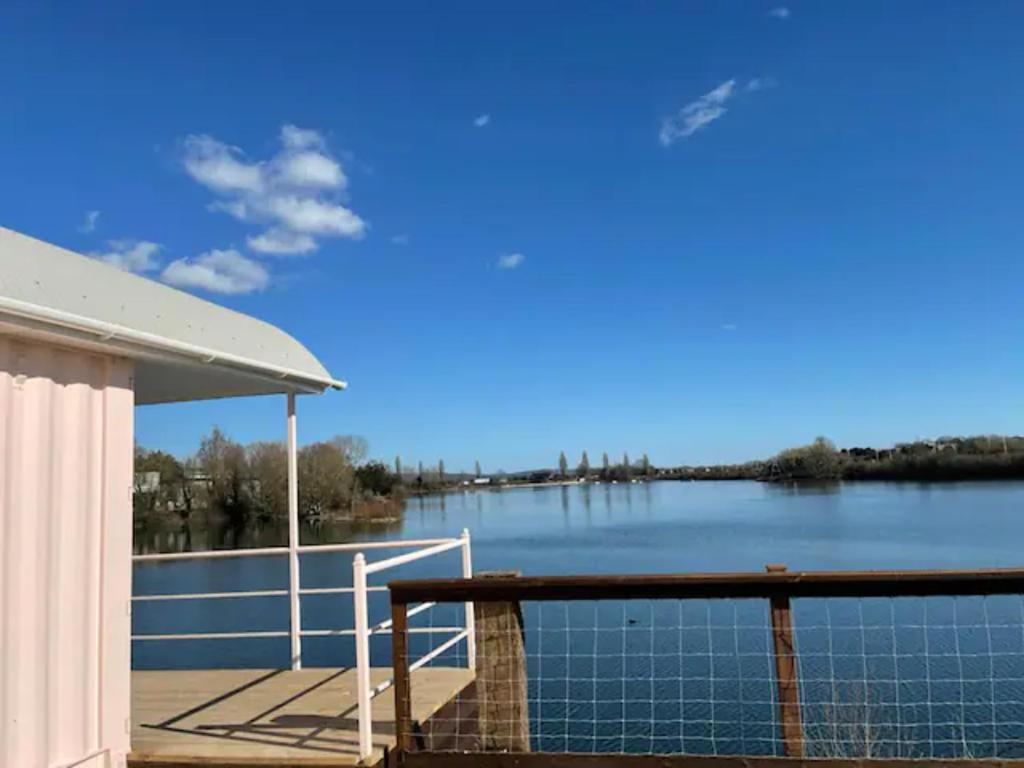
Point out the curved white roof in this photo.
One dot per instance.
(185, 348)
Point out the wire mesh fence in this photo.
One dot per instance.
(899, 677)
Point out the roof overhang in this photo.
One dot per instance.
(185, 348)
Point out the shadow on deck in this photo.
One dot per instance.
(244, 717)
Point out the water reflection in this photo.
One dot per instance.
(673, 526)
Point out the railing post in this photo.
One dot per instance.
(785, 672)
(295, 615)
(400, 670)
(467, 573)
(362, 635)
(503, 714)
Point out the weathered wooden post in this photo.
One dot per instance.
(400, 670)
(785, 672)
(502, 714)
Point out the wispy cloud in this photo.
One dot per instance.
(130, 255)
(760, 84)
(295, 193)
(510, 260)
(281, 242)
(481, 120)
(89, 225)
(400, 240)
(227, 272)
(780, 12)
(697, 114)
(729, 326)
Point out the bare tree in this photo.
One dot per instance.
(326, 478)
(267, 478)
(222, 462)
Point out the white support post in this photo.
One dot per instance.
(362, 630)
(293, 537)
(467, 573)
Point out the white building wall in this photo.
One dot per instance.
(66, 434)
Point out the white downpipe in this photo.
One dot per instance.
(467, 573)
(362, 633)
(293, 537)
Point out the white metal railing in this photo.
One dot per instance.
(360, 591)
(363, 632)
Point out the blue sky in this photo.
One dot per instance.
(704, 230)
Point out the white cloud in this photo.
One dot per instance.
(729, 326)
(510, 260)
(695, 115)
(400, 240)
(781, 12)
(295, 192)
(760, 83)
(89, 225)
(315, 217)
(218, 272)
(220, 167)
(481, 120)
(705, 110)
(130, 255)
(281, 242)
(294, 137)
(311, 169)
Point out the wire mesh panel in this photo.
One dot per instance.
(912, 677)
(636, 676)
(929, 677)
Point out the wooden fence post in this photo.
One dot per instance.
(785, 672)
(400, 670)
(502, 712)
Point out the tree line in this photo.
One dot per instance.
(245, 482)
(978, 457)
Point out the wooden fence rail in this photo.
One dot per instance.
(777, 585)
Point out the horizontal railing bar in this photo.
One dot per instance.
(212, 554)
(327, 632)
(794, 584)
(359, 546)
(251, 593)
(393, 562)
(351, 632)
(210, 635)
(354, 546)
(428, 657)
(213, 595)
(337, 590)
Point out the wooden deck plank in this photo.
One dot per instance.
(233, 717)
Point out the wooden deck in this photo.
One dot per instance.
(246, 717)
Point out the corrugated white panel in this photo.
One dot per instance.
(65, 555)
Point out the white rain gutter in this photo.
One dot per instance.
(112, 332)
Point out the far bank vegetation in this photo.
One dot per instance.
(979, 457)
(986, 457)
(250, 482)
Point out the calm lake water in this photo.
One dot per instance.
(958, 664)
